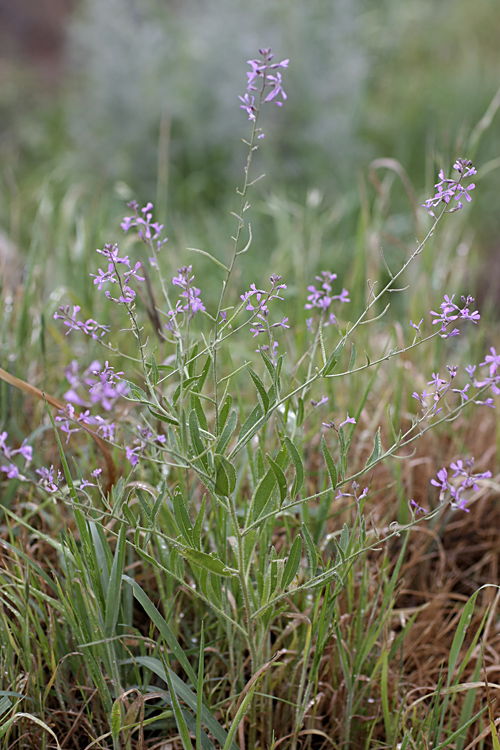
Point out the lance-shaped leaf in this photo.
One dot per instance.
(262, 495)
(225, 478)
(261, 390)
(377, 450)
(293, 562)
(333, 358)
(330, 463)
(280, 477)
(298, 465)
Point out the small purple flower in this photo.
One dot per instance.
(11, 470)
(443, 480)
(131, 455)
(418, 508)
(451, 312)
(493, 361)
(270, 85)
(322, 401)
(469, 481)
(448, 189)
(48, 478)
(417, 327)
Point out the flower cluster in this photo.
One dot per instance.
(146, 436)
(104, 386)
(323, 297)
(440, 388)
(256, 301)
(49, 480)
(454, 490)
(490, 380)
(190, 302)
(112, 276)
(90, 327)
(260, 72)
(101, 387)
(26, 451)
(451, 312)
(446, 189)
(149, 231)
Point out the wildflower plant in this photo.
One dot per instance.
(213, 448)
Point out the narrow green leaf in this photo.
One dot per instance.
(377, 450)
(344, 538)
(269, 365)
(155, 375)
(163, 627)
(352, 360)
(197, 406)
(182, 517)
(249, 427)
(179, 718)
(199, 687)
(300, 411)
(298, 465)
(262, 495)
(293, 562)
(224, 413)
(227, 432)
(143, 502)
(225, 479)
(163, 417)
(312, 554)
(209, 255)
(115, 721)
(460, 633)
(202, 560)
(5, 704)
(114, 587)
(204, 373)
(330, 463)
(187, 696)
(280, 477)
(261, 391)
(196, 440)
(333, 359)
(191, 365)
(198, 525)
(158, 502)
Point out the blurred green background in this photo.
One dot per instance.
(105, 100)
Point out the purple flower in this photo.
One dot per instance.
(322, 401)
(131, 455)
(90, 327)
(268, 84)
(149, 231)
(323, 297)
(493, 361)
(448, 189)
(348, 420)
(451, 312)
(48, 479)
(417, 327)
(418, 508)
(11, 470)
(443, 480)
(469, 481)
